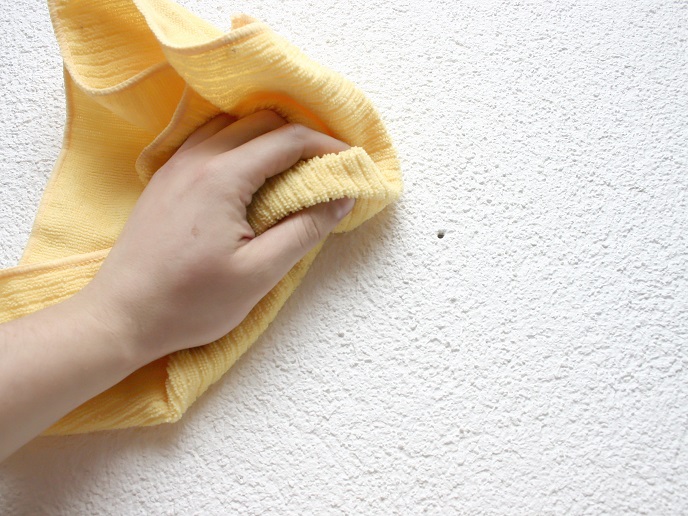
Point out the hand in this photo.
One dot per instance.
(185, 271)
(187, 267)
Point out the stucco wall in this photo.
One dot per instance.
(532, 361)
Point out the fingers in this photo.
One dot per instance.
(224, 132)
(283, 245)
(242, 131)
(207, 130)
(258, 146)
(276, 151)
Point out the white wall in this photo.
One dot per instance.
(532, 361)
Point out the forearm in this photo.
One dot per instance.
(53, 361)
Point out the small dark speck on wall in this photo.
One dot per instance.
(440, 233)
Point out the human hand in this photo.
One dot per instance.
(187, 267)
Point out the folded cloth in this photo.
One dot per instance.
(140, 76)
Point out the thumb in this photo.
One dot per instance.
(284, 244)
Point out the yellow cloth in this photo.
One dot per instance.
(140, 76)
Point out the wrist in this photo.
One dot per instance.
(111, 326)
(61, 357)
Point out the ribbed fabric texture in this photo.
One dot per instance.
(140, 76)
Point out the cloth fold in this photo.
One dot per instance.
(140, 76)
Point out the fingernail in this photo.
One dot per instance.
(343, 207)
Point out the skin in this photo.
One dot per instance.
(186, 270)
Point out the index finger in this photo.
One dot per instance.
(276, 151)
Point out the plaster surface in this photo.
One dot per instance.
(534, 360)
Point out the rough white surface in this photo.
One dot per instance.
(532, 361)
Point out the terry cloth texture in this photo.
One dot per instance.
(140, 76)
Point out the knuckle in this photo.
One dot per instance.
(303, 136)
(308, 232)
(297, 132)
(181, 159)
(196, 177)
(246, 197)
(201, 178)
(271, 117)
(297, 136)
(203, 172)
(175, 169)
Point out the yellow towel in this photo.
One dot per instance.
(140, 76)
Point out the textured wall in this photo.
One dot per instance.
(532, 361)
